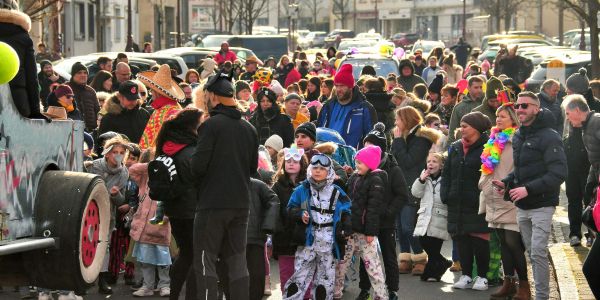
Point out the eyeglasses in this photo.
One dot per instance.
(320, 159)
(523, 105)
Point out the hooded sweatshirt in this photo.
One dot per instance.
(409, 82)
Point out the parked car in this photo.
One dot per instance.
(335, 37)
(347, 44)
(490, 53)
(519, 42)
(404, 39)
(192, 56)
(63, 67)
(512, 36)
(572, 64)
(369, 36)
(427, 46)
(313, 39)
(383, 65)
(262, 45)
(241, 53)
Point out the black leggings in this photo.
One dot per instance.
(181, 271)
(513, 253)
(469, 246)
(433, 248)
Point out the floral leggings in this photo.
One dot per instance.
(306, 263)
(368, 252)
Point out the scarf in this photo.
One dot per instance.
(490, 157)
(112, 176)
(68, 107)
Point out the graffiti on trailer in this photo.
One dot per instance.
(27, 149)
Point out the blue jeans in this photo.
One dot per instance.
(405, 227)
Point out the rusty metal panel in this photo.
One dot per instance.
(27, 148)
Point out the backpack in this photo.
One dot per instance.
(164, 183)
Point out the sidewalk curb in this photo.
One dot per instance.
(567, 287)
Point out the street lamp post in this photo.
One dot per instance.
(464, 20)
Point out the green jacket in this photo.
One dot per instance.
(464, 107)
(485, 109)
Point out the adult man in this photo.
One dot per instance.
(491, 102)
(225, 54)
(104, 63)
(579, 115)
(147, 47)
(462, 50)
(122, 73)
(512, 65)
(548, 96)
(534, 186)
(468, 103)
(251, 67)
(419, 65)
(85, 96)
(408, 79)
(124, 113)
(131, 45)
(47, 77)
(224, 160)
(348, 112)
(292, 105)
(122, 57)
(42, 53)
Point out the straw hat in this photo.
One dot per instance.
(162, 83)
(56, 113)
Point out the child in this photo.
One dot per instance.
(321, 211)
(367, 190)
(432, 222)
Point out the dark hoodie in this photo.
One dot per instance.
(181, 148)
(225, 158)
(409, 82)
(540, 163)
(383, 106)
(272, 121)
(396, 191)
(128, 122)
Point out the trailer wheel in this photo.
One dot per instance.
(74, 208)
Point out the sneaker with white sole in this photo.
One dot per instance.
(44, 296)
(165, 291)
(480, 284)
(70, 296)
(464, 282)
(143, 292)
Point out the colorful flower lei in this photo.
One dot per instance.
(490, 157)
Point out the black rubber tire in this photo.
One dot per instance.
(60, 208)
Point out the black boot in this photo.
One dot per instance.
(364, 295)
(103, 286)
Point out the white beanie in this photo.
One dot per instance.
(277, 88)
(274, 142)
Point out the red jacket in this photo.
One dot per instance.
(229, 56)
(292, 77)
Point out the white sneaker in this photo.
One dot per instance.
(70, 296)
(464, 282)
(165, 291)
(143, 292)
(44, 296)
(481, 284)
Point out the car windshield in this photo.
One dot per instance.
(346, 45)
(382, 66)
(427, 46)
(213, 41)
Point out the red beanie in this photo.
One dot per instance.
(344, 76)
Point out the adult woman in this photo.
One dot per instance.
(63, 96)
(410, 147)
(292, 105)
(192, 77)
(454, 71)
(112, 169)
(438, 52)
(460, 192)
(281, 72)
(313, 89)
(290, 173)
(497, 163)
(177, 139)
(449, 97)
(399, 97)
(431, 70)
(102, 82)
(326, 89)
(269, 120)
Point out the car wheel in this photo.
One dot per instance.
(75, 209)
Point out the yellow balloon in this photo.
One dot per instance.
(9, 63)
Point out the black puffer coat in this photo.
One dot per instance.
(384, 108)
(411, 155)
(282, 239)
(554, 107)
(368, 199)
(88, 104)
(459, 189)
(396, 193)
(264, 211)
(540, 163)
(270, 122)
(184, 207)
(130, 122)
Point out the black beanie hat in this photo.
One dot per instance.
(220, 84)
(377, 137)
(309, 129)
(266, 92)
(78, 66)
(478, 121)
(44, 63)
(241, 85)
(436, 84)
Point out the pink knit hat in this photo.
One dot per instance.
(370, 156)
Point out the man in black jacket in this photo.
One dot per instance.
(224, 160)
(539, 169)
(124, 113)
(47, 77)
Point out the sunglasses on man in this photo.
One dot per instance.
(523, 105)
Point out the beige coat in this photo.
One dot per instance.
(498, 213)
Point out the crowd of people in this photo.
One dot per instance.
(301, 162)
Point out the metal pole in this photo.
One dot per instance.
(178, 19)
(464, 20)
(129, 29)
(278, 16)
(377, 17)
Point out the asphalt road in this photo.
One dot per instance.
(411, 287)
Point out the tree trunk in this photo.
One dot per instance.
(507, 21)
(497, 16)
(593, 8)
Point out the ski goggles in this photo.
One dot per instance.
(320, 159)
